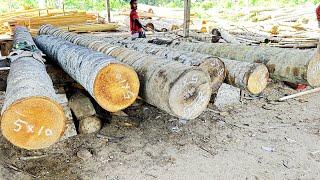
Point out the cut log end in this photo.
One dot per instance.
(190, 95)
(313, 70)
(258, 79)
(33, 123)
(116, 87)
(216, 69)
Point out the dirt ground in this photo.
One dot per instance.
(259, 139)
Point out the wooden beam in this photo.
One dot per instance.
(108, 10)
(186, 23)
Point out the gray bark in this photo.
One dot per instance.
(296, 66)
(213, 65)
(27, 76)
(237, 73)
(180, 90)
(81, 63)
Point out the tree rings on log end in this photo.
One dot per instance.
(216, 69)
(190, 94)
(116, 87)
(258, 79)
(33, 123)
(313, 70)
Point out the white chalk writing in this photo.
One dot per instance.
(30, 128)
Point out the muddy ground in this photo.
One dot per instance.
(258, 139)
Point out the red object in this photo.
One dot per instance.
(318, 12)
(296, 86)
(133, 27)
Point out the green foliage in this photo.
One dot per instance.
(198, 5)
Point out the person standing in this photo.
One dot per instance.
(136, 27)
(318, 15)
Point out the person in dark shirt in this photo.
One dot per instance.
(136, 27)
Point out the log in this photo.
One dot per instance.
(57, 75)
(112, 84)
(252, 77)
(213, 65)
(228, 37)
(291, 65)
(31, 116)
(180, 90)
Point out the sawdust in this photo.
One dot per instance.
(260, 139)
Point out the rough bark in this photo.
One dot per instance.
(180, 90)
(244, 75)
(296, 66)
(31, 116)
(213, 65)
(112, 84)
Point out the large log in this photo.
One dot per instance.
(296, 66)
(31, 116)
(112, 84)
(213, 65)
(178, 89)
(248, 76)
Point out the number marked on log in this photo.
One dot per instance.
(30, 128)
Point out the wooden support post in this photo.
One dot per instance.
(108, 10)
(187, 6)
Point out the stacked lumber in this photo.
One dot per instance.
(112, 84)
(247, 76)
(76, 21)
(31, 117)
(180, 90)
(291, 65)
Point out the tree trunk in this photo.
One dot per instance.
(252, 77)
(113, 85)
(296, 66)
(31, 116)
(213, 65)
(248, 76)
(180, 90)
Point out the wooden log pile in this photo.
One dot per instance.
(248, 76)
(178, 89)
(213, 65)
(112, 84)
(291, 65)
(31, 116)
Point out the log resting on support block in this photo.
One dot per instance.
(178, 89)
(244, 75)
(291, 65)
(213, 65)
(112, 84)
(31, 116)
(252, 77)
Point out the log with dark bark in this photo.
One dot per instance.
(296, 66)
(247, 76)
(31, 116)
(112, 84)
(180, 90)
